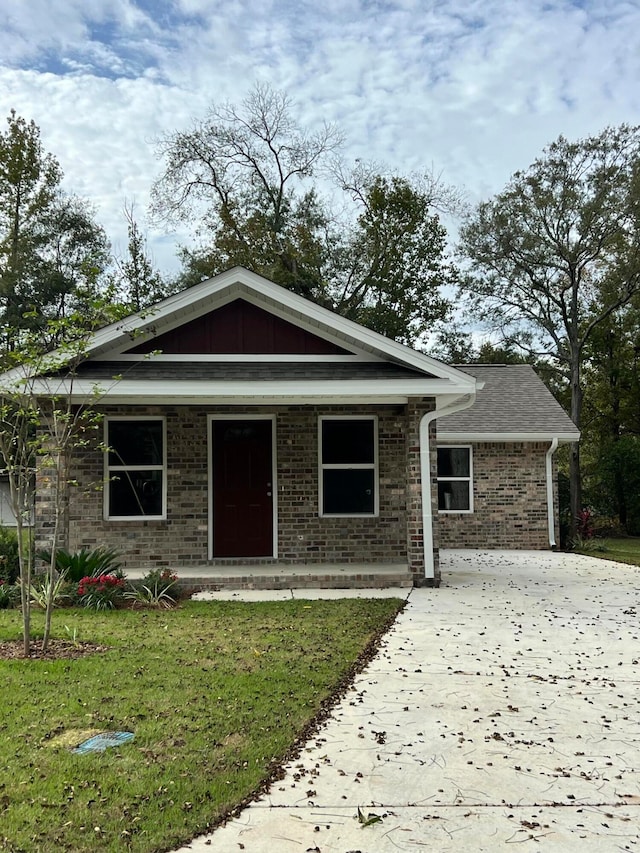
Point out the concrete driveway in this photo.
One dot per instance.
(503, 709)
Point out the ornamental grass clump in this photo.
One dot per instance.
(153, 589)
(101, 593)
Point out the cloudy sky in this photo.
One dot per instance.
(471, 88)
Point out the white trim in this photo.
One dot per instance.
(492, 437)
(109, 470)
(240, 416)
(550, 506)
(183, 390)
(468, 480)
(242, 358)
(368, 466)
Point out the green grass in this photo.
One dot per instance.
(216, 694)
(622, 549)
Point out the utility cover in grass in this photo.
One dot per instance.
(103, 741)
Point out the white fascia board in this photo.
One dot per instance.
(492, 437)
(176, 390)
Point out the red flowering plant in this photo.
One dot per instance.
(101, 592)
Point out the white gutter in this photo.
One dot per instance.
(489, 437)
(550, 508)
(457, 405)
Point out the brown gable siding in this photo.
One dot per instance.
(239, 328)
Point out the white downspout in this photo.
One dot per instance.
(550, 508)
(425, 476)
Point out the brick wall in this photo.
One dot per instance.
(303, 536)
(510, 500)
(416, 409)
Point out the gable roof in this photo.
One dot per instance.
(512, 405)
(117, 363)
(115, 340)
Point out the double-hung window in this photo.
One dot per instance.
(348, 450)
(135, 468)
(455, 479)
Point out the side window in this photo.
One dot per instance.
(455, 481)
(348, 449)
(135, 468)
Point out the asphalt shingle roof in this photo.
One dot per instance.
(154, 370)
(514, 400)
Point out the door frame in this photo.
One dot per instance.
(240, 416)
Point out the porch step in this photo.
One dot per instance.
(284, 576)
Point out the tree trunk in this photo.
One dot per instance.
(59, 436)
(575, 474)
(24, 560)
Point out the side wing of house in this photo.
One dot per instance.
(497, 477)
(248, 426)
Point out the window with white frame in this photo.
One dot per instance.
(135, 468)
(348, 451)
(455, 479)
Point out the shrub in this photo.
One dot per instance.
(584, 524)
(43, 586)
(102, 592)
(9, 563)
(87, 562)
(9, 594)
(153, 589)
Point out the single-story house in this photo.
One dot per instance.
(248, 426)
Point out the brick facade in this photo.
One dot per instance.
(395, 536)
(510, 499)
(416, 409)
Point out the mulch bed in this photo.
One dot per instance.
(57, 650)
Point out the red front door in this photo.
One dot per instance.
(242, 488)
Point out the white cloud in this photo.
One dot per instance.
(474, 87)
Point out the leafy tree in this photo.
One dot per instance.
(140, 284)
(39, 434)
(51, 249)
(388, 273)
(557, 252)
(250, 174)
(612, 417)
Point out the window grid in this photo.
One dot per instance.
(347, 466)
(112, 469)
(459, 478)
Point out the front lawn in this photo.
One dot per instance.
(216, 694)
(622, 549)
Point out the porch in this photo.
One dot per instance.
(287, 576)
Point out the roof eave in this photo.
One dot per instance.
(491, 437)
(176, 391)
